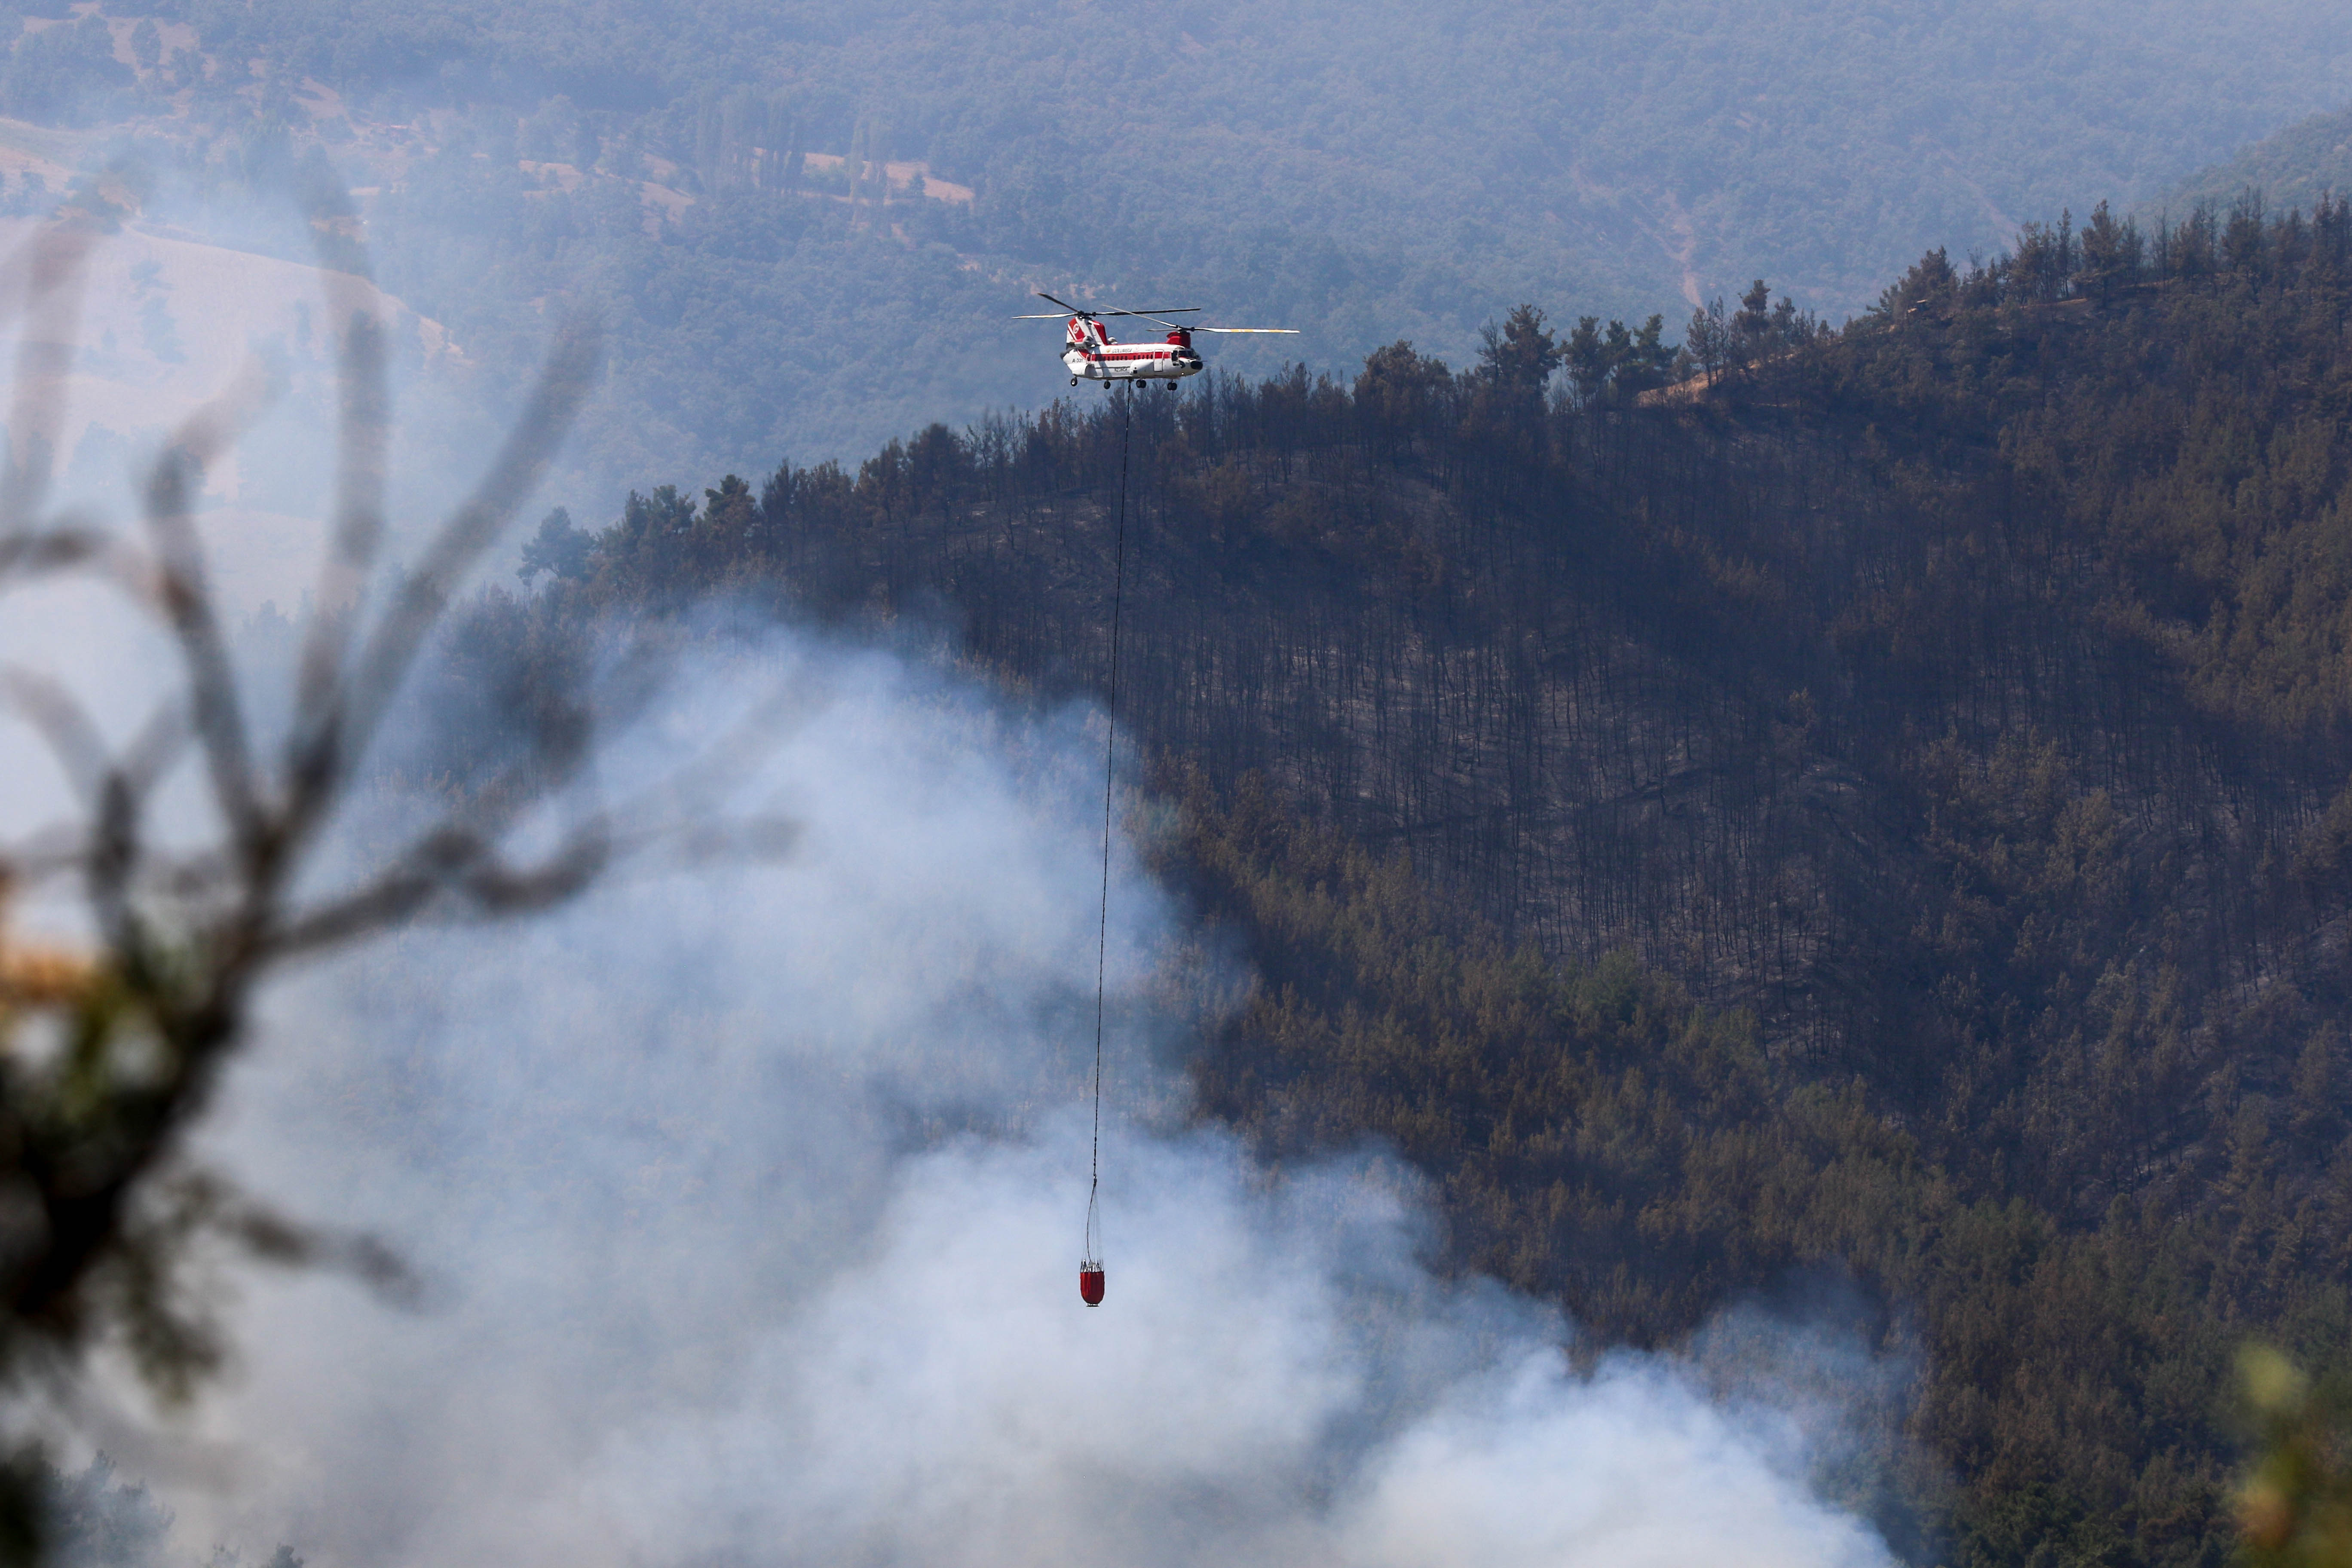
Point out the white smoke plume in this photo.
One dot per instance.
(749, 1207)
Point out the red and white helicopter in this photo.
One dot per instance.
(1093, 355)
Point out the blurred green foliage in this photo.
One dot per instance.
(2295, 1504)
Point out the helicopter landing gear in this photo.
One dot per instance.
(1073, 381)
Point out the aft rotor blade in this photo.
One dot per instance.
(1292, 330)
(1070, 310)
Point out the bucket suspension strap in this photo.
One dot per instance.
(1110, 762)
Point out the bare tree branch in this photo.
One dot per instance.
(184, 591)
(50, 270)
(36, 552)
(72, 735)
(364, 440)
(348, 722)
(98, 1205)
(450, 863)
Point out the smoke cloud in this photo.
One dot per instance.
(749, 1205)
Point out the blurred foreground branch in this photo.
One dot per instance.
(2296, 1507)
(109, 1049)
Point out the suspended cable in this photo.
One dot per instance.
(1090, 1269)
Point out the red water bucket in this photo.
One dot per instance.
(1090, 1284)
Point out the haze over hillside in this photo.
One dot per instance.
(2294, 167)
(1359, 172)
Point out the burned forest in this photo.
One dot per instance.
(1865, 804)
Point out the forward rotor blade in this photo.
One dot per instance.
(1292, 330)
(1065, 305)
(1156, 312)
(1047, 316)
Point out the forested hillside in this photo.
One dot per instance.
(2299, 166)
(807, 223)
(1157, 143)
(1870, 801)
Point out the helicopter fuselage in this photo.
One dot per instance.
(1092, 354)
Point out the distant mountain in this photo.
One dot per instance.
(1363, 171)
(1382, 164)
(2309, 159)
(169, 323)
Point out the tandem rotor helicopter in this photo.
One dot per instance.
(1093, 355)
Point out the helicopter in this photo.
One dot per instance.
(1091, 354)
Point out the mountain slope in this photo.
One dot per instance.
(2294, 167)
(1364, 172)
(1881, 817)
(1566, 144)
